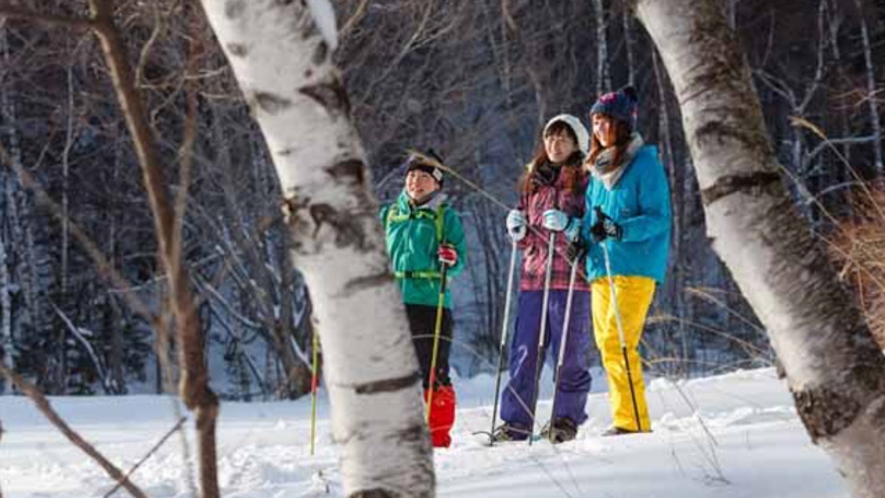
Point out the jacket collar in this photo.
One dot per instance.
(609, 174)
(406, 205)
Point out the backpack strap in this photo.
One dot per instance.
(393, 216)
(439, 218)
(430, 274)
(440, 222)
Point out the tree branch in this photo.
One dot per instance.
(43, 405)
(194, 381)
(160, 443)
(105, 268)
(829, 142)
(49, 19)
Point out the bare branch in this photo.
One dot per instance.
(186, 153)
(194, 382)
(49, 19)
(836, 141)
(43, 405)
(105, 268)
(156, 33)
(173, 430)
(354, 19)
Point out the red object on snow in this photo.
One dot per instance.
(442, 416)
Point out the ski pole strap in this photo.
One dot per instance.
(429, 274)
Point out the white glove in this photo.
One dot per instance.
(516, 224)
(557, 221)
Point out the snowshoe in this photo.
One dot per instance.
(618, 431)
(509, 432)
(560, 430)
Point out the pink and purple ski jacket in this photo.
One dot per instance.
(534, 245)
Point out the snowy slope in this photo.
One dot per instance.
(730, 436)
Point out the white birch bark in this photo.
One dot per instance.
(629, 43)
(834, 368)
(603, 74)
(281, 55)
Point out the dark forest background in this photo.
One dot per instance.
(473, 79)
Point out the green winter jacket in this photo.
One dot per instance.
(412, 244)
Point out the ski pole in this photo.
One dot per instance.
(504, 327)
(563, 338)
(543, 332)
(314, 380)
(614, 299)
(436, 332)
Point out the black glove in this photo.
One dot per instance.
(604, 228)
(576, 250)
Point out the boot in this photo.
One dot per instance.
(618, 431)
(561, 429)
(442, 416)
(510, 432)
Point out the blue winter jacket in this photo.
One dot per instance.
(640, 203)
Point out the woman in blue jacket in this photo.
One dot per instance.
(627, 214)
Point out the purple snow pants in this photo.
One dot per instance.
(571, 397)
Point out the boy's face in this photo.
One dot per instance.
(419, 184)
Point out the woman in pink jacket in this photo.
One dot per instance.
(551, 202)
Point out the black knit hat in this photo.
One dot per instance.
(621, 105)
(428, 162)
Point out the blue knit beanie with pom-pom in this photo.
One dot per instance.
(621, 105)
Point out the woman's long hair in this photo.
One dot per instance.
(620, 132)
(571, 168)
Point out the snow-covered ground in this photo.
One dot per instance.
(731, 436)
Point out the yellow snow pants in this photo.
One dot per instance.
(634, 295)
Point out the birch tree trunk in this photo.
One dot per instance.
(629, 45)
(603, 73)
(834, 368)
(281, 55)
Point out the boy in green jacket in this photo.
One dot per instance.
(423, 234)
